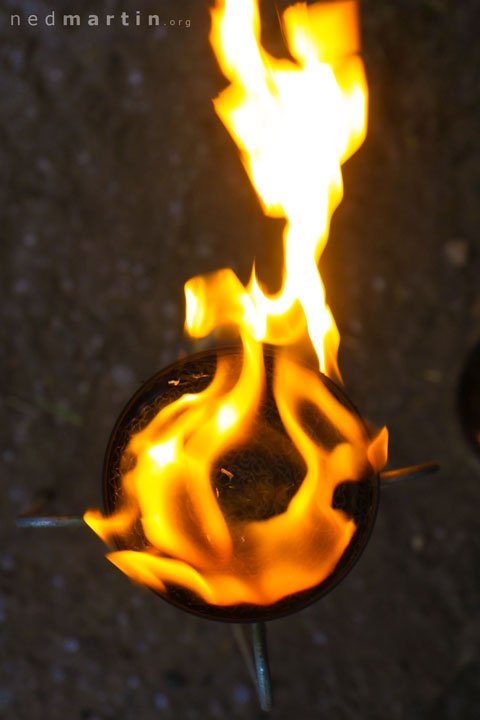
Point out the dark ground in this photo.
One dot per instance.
(118, 184)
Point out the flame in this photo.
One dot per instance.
(295, 123)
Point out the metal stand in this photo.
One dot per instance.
(387, 478)
(259, 667)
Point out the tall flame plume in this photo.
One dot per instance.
(295, 123)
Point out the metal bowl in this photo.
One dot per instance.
(278, 460)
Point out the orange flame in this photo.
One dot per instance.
(295, 123)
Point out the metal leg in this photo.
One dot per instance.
(262, 667)
(390, 477)
(257, 665)
(56, 521)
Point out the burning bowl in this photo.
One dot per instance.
(254, 483)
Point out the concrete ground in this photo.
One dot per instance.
(118, 184)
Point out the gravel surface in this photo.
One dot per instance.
(118, 184)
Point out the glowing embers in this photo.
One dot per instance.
(294, 532)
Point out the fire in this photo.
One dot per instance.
(295, 123)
